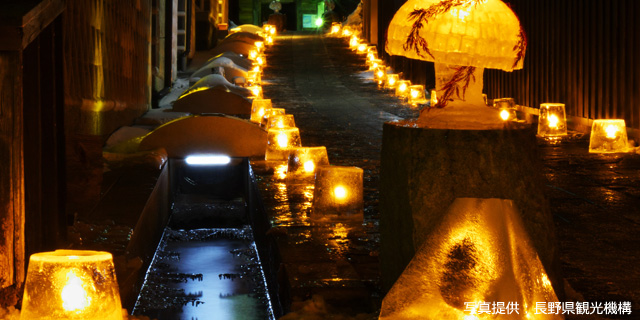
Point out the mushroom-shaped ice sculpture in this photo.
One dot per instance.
(462, 37)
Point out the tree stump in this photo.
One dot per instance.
(423, 170)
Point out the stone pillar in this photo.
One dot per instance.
(424, 170)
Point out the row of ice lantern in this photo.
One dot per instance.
(338, 189)
(254, 76)
(413, 94)
(607, 135)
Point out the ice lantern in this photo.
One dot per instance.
(338, 191)
(507, 108)
(280, 142)
(462, 37)
(71, 284)
(608, 136)
(259, 108)
(281, 121)
(305, 160)
(479, 252)
(552, 120)
(402, 88)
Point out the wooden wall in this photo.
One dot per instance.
(584, 53)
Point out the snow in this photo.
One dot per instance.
(123, 134)
(231, 70)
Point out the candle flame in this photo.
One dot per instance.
(612, 131)
(392, 81)
(340, 193)
(283, 140)
(504, 114)
(74, 296)
(279, 124)
(414, 94)
(403, 87)
(362, 47)
(309, 166)
(553, 121)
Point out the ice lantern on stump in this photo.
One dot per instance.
(338, 192)
(280, 142)
(465, 137)
(479, 252)
(462, 37)
(71, 284)
(608, 136)
(305, 160)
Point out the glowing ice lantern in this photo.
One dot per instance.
(402, 89)
(281, 121)
(346, 32)
(305, 160)
(259, 108)
(374, 64)
(338, 191)
(269, 29)
(271, 113)
(380, 73)
(354, 42)
(269, 40)
(256, 91)
(280, 142)
(434, 98)
(335, 28)
(71, 284)
(372, 53)
(552, 120)
(608, 136)
(253, 54)
(507, 108)
(391, 81)
(254, 78)
(416, 95)
(261, 60)
(259, 45)
(362, 48)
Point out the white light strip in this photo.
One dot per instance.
(207, 160)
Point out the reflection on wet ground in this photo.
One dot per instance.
(205, 274)
(595, 199)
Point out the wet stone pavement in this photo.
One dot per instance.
(595, 199)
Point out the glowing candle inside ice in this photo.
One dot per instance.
(608, 136)
(504, 115)
(309, 166)
(340, 193)
(71, 284)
